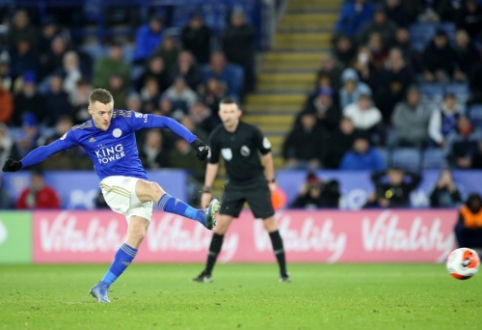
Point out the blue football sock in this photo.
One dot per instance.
(174, 205)
(123, 258)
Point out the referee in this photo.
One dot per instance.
(238, 143)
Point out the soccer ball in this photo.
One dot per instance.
(463, 263)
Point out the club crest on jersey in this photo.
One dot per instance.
(117, 132)
(227, 153)
(245, 151)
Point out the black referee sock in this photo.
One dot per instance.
(214, 249)
(279, 251)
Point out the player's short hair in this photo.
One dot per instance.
(228, 100)
(101, 95)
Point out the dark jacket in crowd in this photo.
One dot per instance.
(337, 145)
(305, 145)
(398, 196)
(163, 79)
(238, 43)
(443, 197)
(198, 42)
(435, 59)
(466, 58)
(470, 22)
(34, 104)
(56, 105)
(192, 77)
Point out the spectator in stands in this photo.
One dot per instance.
(395, 69)
(462, 144)
(237, 43)
(397, 12)
(71, 73)
(449, 9)
(30, 137)
(183, 157)
(107, 66)
(28, 100)
(6, 103)
(186, 68)
(331, 68)
(38, 195)
(23, 58)
(466, 55)
(65, 159)
(5, 72)
(8, 149)
(322, 106)
(181, 95)
(166, 107)
(50, 30)
(410, 120)
(219, 69)
(155, 69)
(378, 50)
(402, 42)
(188, 122)
(444, 120)
(353, 16)
(213, 92)
(150, 95)
(363, 113)
(152, 153)
(439, 58)
(168, 50)
(196, 38)
(80, 102)
(477, 158)
(56, 101)
(344, 50)
(365, 66)
(425, 11)
(52, 60)
(21, 29)
(363, 157)
(119, 91)
(389, 98)
(468, 229)
(380, 25)
(316, 194)
(305, 146)
(352, 88)
(470, 19)
(148, 37)
(5, 200)
(445, 193)
(392, 190)
(134, 102)
(344, 136)
(203, 117)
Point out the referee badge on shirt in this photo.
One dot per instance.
(227, 153)
(245, 151)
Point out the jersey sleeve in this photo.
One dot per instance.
(139, 121)
(214, 150)
(261, 142)
(39, 154)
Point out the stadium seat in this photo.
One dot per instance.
(434, 158)
(421, 34)
(461, 90)
(406, 158)
(432, 92)
(475, 115)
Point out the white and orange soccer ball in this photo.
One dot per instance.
(463, 263)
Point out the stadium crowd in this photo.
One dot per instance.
(400, 87)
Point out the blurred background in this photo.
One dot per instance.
(368, 104)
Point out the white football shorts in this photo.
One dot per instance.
(120, 194)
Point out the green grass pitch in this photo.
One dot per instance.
(383, 296)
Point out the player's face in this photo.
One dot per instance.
(101, 114)
(229, 114)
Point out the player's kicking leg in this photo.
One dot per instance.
(123, 258)
(222, 227)
(151, 191)
(271, 227)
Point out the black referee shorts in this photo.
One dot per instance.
(257, 195)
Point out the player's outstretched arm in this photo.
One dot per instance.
(38, 155)
(151, 121)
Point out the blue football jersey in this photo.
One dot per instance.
(114, 151)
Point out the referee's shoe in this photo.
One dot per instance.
(203, 278)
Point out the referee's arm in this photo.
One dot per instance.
(269, 168)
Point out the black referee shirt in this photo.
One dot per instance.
(240, 151)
